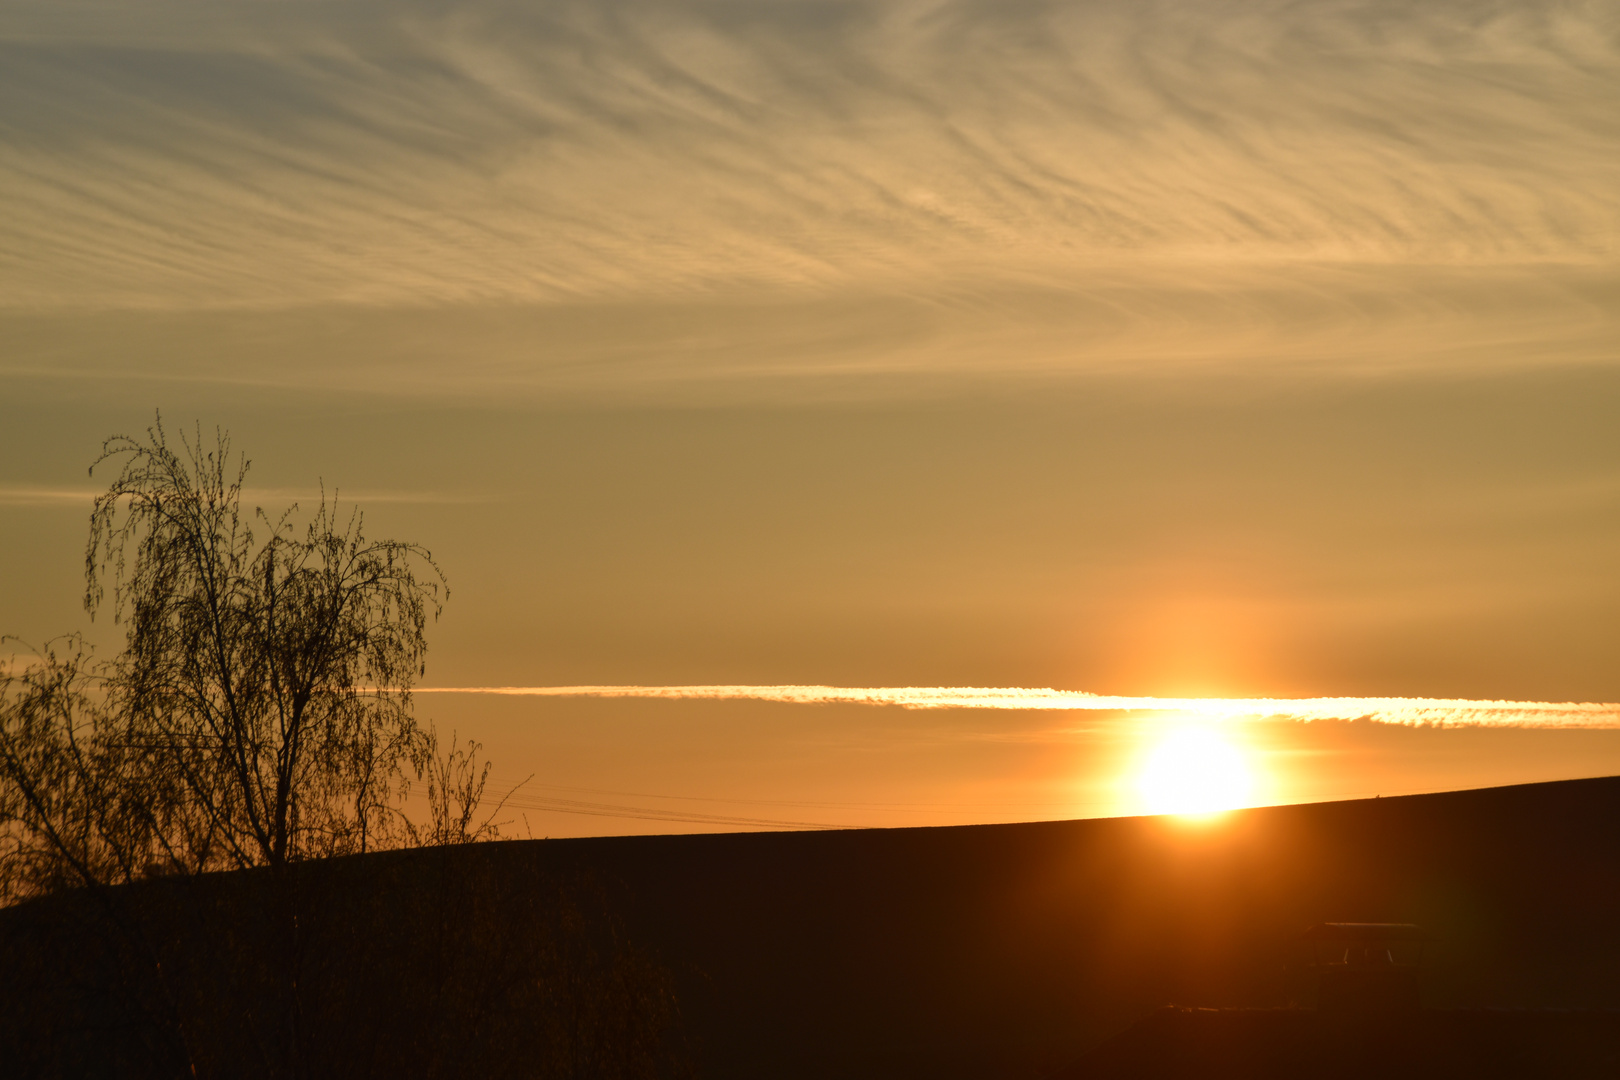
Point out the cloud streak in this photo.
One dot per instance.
(32, 495)
(631, 197)
(1435, 712)
(385, 151)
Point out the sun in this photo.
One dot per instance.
(1194, 771)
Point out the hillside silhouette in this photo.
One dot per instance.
(1006, 951)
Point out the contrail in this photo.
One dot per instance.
(1411, 712)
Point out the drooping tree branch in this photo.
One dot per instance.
(267, 668)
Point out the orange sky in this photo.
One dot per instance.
(1163, 348)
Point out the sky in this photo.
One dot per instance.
(1145, 349)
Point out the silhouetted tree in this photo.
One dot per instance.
(259, 720)
(260, 712)
(272, 672)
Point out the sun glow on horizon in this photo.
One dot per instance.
(1195, 772)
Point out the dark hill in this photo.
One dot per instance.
(1012, 950)
(1008, 950)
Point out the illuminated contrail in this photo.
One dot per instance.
(1439, 712)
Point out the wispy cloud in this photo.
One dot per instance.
(651, 197)
(46, 496)
(387, 151)
(1439, 712)
(26, 495)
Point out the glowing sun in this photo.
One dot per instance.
(1194, 771)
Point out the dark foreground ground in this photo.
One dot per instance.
(1295, 1044)
(1022, 951)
